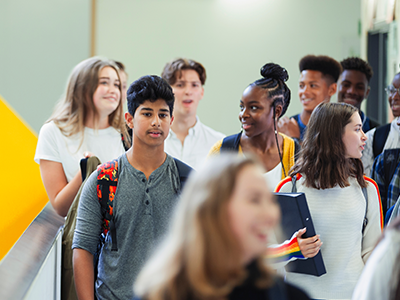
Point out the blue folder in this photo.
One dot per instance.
(295, 215)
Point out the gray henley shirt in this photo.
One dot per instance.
(142, 211)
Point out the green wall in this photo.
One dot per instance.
(41, 41)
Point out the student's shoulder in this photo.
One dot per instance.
(371, 184)
(215, 149)
(296, 117)
(49, 128)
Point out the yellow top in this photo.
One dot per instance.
(287, 155)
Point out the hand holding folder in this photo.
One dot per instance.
(296, 215)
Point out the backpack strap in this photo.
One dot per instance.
(365, 221)
(296, 148)
(107, 180)
(391, 159)
(83, 164)
(380, 135)
(183, 171)
(294, 179)
(231, 143)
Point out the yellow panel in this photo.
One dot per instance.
(23, 195)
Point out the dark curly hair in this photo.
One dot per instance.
(356, 63)
(322, 159)
(172, 70)
(152, 88)
(329, 67)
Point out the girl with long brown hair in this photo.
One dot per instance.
(330, 173)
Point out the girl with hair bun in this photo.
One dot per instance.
(87, 121)
(263, 103)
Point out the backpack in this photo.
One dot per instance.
(107, 181)
(68, 292)
(380, 136)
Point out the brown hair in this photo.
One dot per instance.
(201, 257)
(72, 111)
(322, 159)
(173, 70)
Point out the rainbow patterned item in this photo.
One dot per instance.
(287, 251)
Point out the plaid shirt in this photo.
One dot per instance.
(389, 188)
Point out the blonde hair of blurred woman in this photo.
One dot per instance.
(201, 257)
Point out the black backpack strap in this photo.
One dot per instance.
(83, 164)
(294, 179)
(183, 171)
(365, 221)
(380, 135)
(231, 143)
(296, 149)
(391, 158)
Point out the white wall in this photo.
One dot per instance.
(232, 38)
(42, 40)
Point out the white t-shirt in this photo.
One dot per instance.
(52, 145)
(196, 145)
(273, 177)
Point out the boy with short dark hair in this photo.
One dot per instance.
(146, 194)
(317, 84)
(189, 139)
(354, 86)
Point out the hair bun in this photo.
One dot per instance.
(274, 71)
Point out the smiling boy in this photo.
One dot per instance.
(317, 83)
(189, 139)
(354, 86)
(146, 194)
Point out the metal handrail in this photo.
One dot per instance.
(18, 269)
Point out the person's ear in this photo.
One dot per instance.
(172, 120)
(332, 89)
(202, 92)
(367, 93)
(278, 111)
(129, 120)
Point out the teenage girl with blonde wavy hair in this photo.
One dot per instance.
(87, 121)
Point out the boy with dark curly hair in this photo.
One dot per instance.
(353, 86)
(317, 83)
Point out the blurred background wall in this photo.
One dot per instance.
(41, 41)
